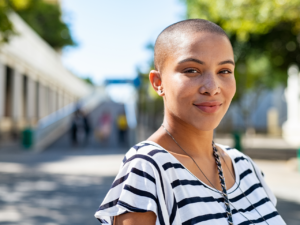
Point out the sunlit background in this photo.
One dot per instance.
(112, 36)
(75, 95)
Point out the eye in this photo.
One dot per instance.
(190, 70)
(225, 72)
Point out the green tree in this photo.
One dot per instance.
(43, 17)
(88, 80)
(150, 105)
(6, 27)
(265, 36)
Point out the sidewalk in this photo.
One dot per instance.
(262, 147)
(67, 164)
(282, 176)
(64, 188)
(55, 188)
(256, 142)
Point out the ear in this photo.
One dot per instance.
(155, 80)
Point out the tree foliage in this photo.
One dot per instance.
(246, 17)
(43, 17)
(265, 36)
(6, 27)
(88, 80)
(150, 105)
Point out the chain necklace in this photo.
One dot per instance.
(244, 193)
(222, 181)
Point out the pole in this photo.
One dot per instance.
(298, 159)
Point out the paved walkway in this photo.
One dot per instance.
(262, 147)
(53, 188)
(283, 178)
(256, 142)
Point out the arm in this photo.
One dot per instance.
(147, 218)
(133, 195)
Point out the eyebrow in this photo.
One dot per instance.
(202, 63)
(191, 60)
(227, 62)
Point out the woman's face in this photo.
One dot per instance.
(198, 80)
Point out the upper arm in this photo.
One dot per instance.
(146, 218)
(134, 195)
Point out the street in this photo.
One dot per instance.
(64, 188)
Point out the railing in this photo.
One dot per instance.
(51, 127)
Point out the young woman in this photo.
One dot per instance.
(179, 176)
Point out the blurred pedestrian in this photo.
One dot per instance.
(76, 124)
(87, 127)
(122, 128)
(104, 127)
(80, 124)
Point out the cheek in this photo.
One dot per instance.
(229, 89)
(179, 94)
(183, 90)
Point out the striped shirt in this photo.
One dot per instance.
(152, 179)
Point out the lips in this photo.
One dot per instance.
(209, 107)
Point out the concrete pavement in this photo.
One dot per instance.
(283, 178)
(262, 146)
(55, 188)
(63, 188)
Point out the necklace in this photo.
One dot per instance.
(244, 193)
(222, 181)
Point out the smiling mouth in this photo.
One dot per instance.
(209, 108)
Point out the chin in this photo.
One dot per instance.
(206, 125)
(206, 122)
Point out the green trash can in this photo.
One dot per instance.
(27, 138)
(237, 138)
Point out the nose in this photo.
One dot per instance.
(209, 85)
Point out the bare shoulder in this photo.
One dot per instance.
(157, 137)
(146, 218)
(161, 138)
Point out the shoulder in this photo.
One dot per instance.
(139, 185)
(146, 152)
(236, 155)
(242, 161)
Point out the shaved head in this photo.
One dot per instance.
(171, 37)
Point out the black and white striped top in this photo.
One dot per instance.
(152, 179)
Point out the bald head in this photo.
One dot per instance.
(170, 37)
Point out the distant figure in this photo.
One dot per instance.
(104, 127)
(87, 127)
(79, 123)
(122, 127)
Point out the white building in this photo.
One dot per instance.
(33, 81)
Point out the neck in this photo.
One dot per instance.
(195, 142)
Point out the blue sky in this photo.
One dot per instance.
(112, 35)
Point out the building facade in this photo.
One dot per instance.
(33, 81)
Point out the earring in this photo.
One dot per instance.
(160, 90)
